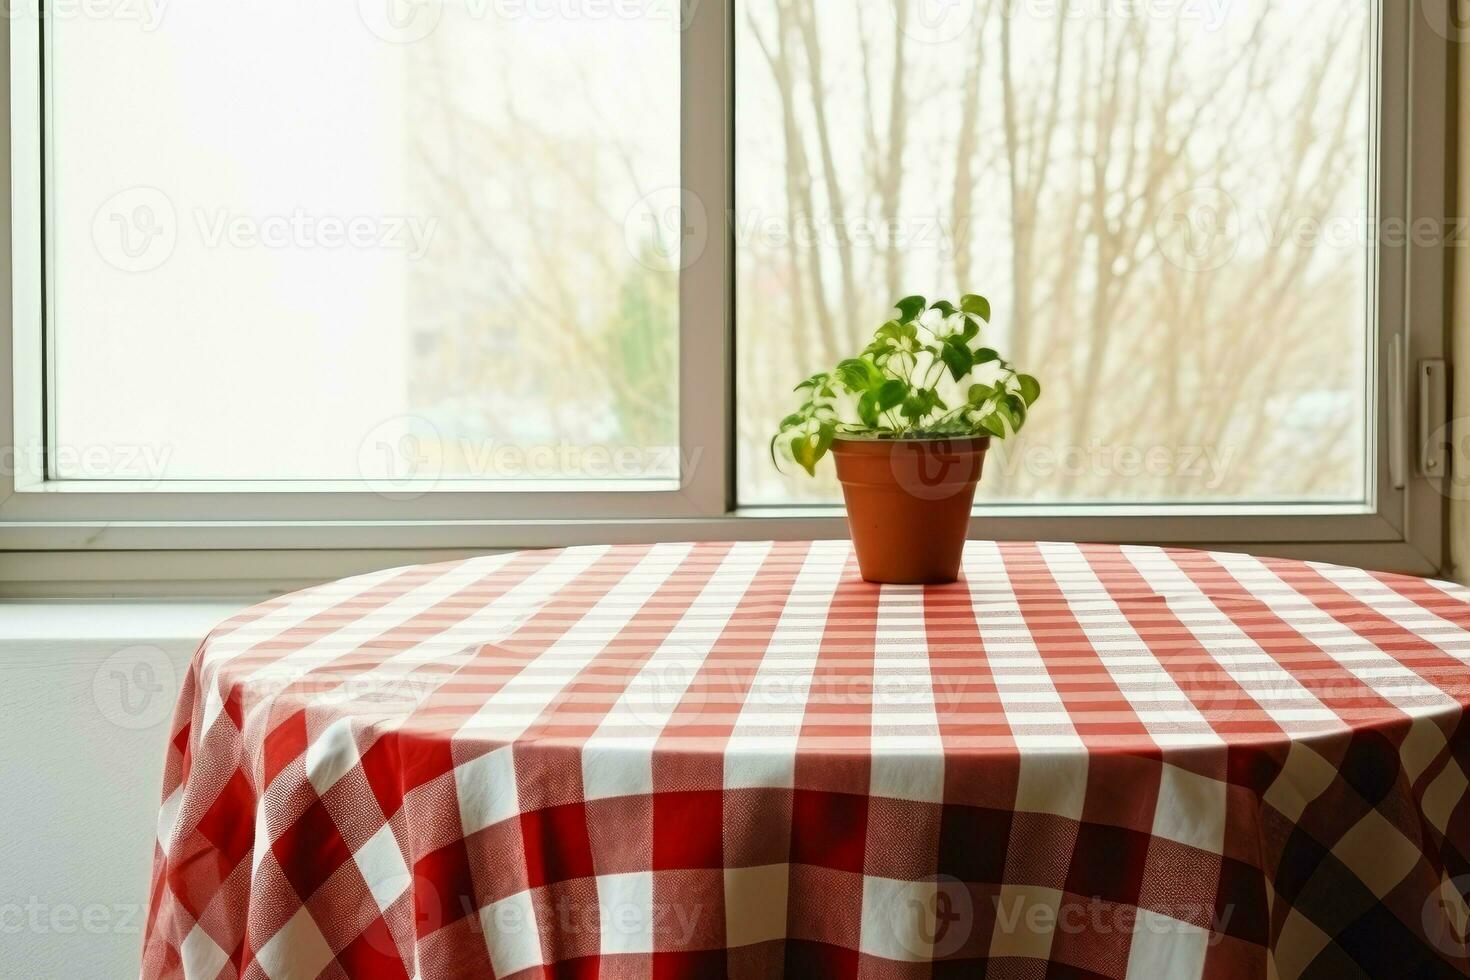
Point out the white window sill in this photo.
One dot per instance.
(120, 620)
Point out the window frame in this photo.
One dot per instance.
(81, 535)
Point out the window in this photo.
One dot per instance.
(399, 278)
(1167, 204)
(383, 244)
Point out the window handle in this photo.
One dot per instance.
(1397, 424)
(1433, 418)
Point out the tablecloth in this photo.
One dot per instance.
(715, 759)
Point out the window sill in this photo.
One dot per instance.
(384, 487)
(143, 621)
(195, 559)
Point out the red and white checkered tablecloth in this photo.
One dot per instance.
(696, 761)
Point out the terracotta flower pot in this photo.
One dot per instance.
(908, 504)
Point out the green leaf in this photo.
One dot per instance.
(867, 409)
(893, 336)
(994, 425)
(978, 305)
(944, 306)
(857, 374)
(919, 404)
(913, 409)
(1016, 407)
(792, 421)
(814, 382)
(957, 357)
(826, 432)
(809, 447)
(805, 453)
(985, 355)
(1030, 388)
(980, 394)
(910, 307)
(891, 393)
(1006, 409)
(970, 331)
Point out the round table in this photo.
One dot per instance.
(742, 760)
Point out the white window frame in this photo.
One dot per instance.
(88, 536)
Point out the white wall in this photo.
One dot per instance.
(86, 697)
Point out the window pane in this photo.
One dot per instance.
(1167, 204)
(333, 241)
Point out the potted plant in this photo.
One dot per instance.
(908, 422)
